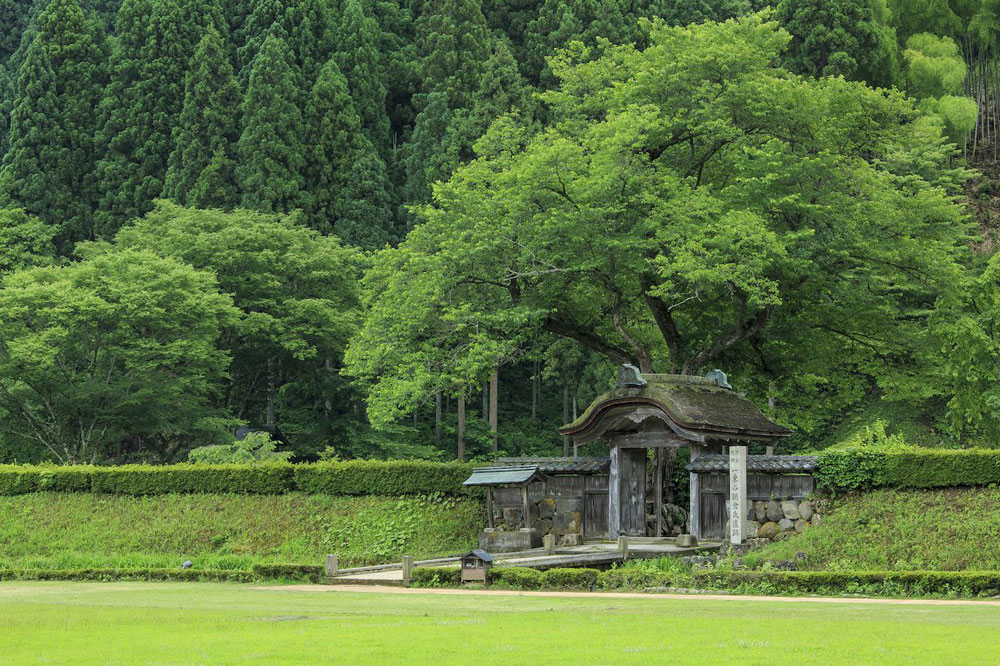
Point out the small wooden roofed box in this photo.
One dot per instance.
(660, 411)
(542, 495)
(475, 564)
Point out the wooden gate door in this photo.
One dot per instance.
(595, 514)
(714, 491)
(632, 476)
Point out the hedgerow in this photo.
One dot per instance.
(354, 477)
(913, 583)
(865, 469)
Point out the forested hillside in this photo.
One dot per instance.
(387, 225)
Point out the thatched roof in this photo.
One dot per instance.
(696, 404)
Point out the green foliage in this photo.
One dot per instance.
(296, 292)
(25, 241)
(260, 477)
(142, 106)
(934, 66)
(691, 203)
(849, 38)
(49, 168)
(146, 574)
(898, 530)
(519, 578)
(254, 448)
(346, 178)
(875, 583)
(868, 468)
(65, 531)
(120, 345)
(292, 572)
(201, 164)
(359, 58)
(390, 477)
(436, 577)
(270, 149)
(570, 579)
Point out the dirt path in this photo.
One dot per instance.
(381, 589)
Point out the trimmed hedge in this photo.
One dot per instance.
(961, 583)
(305, 572)
(130, 574)
(521, 578)
(353, 477)
(865, 469)
(633, 579)
(436, 577)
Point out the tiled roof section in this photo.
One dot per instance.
(714, 462)
(561, 465)
(497, 476)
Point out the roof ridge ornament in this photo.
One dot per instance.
(630, 377)
(719, 377)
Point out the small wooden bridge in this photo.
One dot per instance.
(590, 554)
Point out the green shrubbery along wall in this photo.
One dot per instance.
(354, 477)
(864, 469)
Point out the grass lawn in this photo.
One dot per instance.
(901, 530)
(203, 623)
(80, 530)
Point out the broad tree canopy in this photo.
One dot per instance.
(689, 205)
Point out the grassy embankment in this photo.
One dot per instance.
(944, 530)
(80, 530)
(185, 623)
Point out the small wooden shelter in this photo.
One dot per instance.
(661, 412)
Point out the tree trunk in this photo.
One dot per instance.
(437, 418)
(486, 401)
(494, 380)
(536, 389)
(565, 419)
(270, 416)
(461, 427)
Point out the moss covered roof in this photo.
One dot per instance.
(695, 403)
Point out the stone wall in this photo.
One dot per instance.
(776, 520)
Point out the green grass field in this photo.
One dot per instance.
(203, 623)
(79, 530)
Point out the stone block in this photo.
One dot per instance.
(786, 524)
(501, 541)
(566, 522)
(801, 525)
(752, 527)
(571, 540)
(768, 530)
(760, 511)
(816, 518)
(773, 511)
(546, 508)
(790, 509)
(569, 506)
(513, 516)
(806, 509)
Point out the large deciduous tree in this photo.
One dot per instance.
(690, 205)
(297, 295)
(121, 345)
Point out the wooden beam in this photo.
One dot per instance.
(614, 496)
(650, 440)
(489, 508)
(694, 505)
(658, 489)
(527, 512)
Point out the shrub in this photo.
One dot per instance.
(436, 577)
(129, 574)
(577, 579)
(382, 477)
(864, 469)
(947, 583)
(355, 477)
(273, 479)
(633, 579)
(516, 577)
(306, 572)
(254, 448)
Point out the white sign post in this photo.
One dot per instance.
(737, 494)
